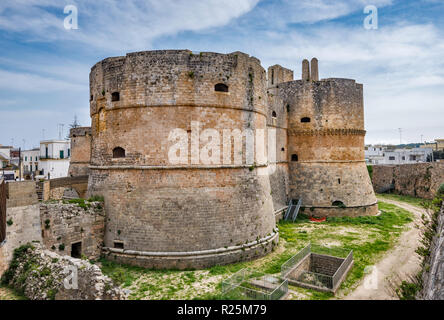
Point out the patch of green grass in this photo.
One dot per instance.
(96, 198)
(419, 202)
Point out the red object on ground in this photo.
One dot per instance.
(318, 220)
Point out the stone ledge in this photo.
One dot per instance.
(195, 259)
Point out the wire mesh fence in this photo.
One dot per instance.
(248, 284)
(289, 264)
(303, 268)
(342, 269)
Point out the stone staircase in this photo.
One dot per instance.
(39, 190)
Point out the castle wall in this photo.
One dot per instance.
(420, 180)
(326, 147)
(192, 213)
(277, 119)
(64, 224)
(23, 219)
(80, 151)
(69, 187)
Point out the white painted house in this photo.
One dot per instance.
(382, 155)
(30, 160)
(54, 158)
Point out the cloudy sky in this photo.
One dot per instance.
(44, 68)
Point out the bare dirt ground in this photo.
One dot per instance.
(398, 264)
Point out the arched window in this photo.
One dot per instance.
(118, 153)
(115, 96)
(294, 158)
(338, 203)
(305, 120)
(274, 114)
(220, 87)
(91, 98)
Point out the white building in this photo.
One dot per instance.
(5, 156)
(30, 160)
(54, 158)
(382, 155)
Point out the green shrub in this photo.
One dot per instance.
(96, 198)
(370, 171)
(440, 191)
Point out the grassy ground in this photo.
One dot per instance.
(368, 237)
(408, 199)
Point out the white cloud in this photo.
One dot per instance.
(27, 82)
(115, 24)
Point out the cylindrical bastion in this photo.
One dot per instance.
(189, 214)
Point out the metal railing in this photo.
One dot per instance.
(316, 279)
(342, 269)
(247, 284)
(293, 261)
(293, 210)
(234, 281)
(313, 278)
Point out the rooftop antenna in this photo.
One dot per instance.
(24, 144)
(400, 135)
(60, 125)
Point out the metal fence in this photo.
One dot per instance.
(2, 211)
(289, 265)
(317, 279)
(247, 284)
(342, 269)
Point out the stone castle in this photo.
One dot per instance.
(197, 214)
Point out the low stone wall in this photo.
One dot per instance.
(44, 275)
(23, 219)
(73, 225)
(433, 277)
(420, 180)
(324, 264)
(72, 187)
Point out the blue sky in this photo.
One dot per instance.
(44, 68)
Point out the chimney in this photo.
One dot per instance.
(314, 70)
(305, 70)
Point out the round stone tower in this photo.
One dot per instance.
(170, 202)
(326, 145)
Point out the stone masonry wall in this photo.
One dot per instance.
(326, 146)
(156, 207)
(23, 219)
(420, 180)
(80, 151)
(64, 224)
(324, 264)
